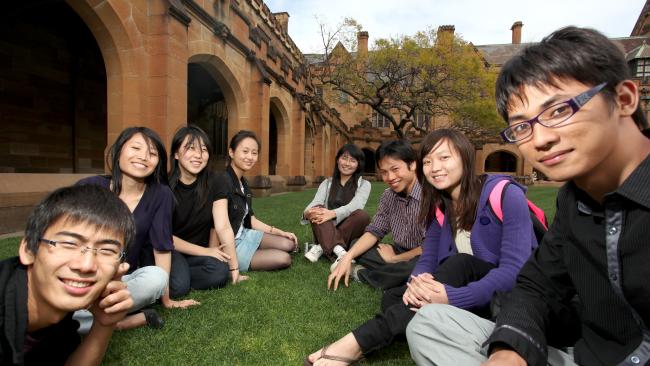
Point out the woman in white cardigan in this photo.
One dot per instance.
(336, 213)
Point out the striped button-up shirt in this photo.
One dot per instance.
(398, 214)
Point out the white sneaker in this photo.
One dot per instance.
(355, 272)
(314, 253)
(339, 251)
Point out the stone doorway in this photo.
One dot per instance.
(54, 91)
(206, 108)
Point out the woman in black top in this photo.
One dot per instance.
(250, 243)
(195, 264)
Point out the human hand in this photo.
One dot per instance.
(179, 304)
(504, 357)
(288, 235)
(321, 215)
(343, 269)
(427, 290)
(387, 253)
(237, 277)
(114, 302)
(218, 254)
(310, 213)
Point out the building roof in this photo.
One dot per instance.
(314, 58)
(498, 54)
(642, 51)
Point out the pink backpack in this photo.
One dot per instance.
(537, 215)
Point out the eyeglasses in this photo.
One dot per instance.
(106, 254)
(552, 116)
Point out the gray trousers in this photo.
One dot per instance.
(446, 335)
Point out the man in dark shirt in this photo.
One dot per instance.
(574, 114)
(70, 259)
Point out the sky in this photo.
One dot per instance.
(477, 21)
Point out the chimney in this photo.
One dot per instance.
(446, 32)
(516, 32)
(283, 20)
(362, 44)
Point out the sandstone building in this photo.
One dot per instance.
(74, 73)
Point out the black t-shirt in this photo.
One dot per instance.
(192, 220)
(51, 345)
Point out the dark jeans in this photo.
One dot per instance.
(195, 272)
(329, 235)
(380, 331)
(382, 275)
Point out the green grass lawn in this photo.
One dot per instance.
(275, 318)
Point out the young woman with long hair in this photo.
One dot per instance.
(137, 162)
(195, 264)
(465, 260)
(250, 243)
(336, 213)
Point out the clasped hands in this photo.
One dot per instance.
(318, 215)
(423, 289)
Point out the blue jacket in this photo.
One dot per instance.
(506, 245)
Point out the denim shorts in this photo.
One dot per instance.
(245, 246)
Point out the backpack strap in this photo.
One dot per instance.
(440, 216)
(496, 197)
(539, 213)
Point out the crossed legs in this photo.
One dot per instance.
(273, 253)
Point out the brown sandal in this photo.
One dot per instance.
(349, 361)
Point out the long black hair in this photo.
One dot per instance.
(463, 215)
(354, 151)
(159, 174)
(196, 135)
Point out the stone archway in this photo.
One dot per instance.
(278, 138)
(310, 142)
(213, 96)
(54, 86)
(124, 56)
(369, 154)
(501, 161)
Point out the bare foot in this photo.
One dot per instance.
(346, 347)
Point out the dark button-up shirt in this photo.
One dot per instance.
(601, 252)
(397, 213)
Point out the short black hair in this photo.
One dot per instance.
(581, 54)
(396, 149)
(91, 204)
(159, 174)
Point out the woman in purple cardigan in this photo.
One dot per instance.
(465, 260)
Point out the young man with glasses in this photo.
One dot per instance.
(574, 114)
(69, 259)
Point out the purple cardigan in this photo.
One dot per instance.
(506, 245)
